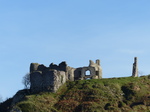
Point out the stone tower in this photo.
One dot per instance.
(49, 79)
(135, 68)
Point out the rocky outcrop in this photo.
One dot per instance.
(19, 96)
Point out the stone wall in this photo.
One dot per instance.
(36, 79)
(135, 68)
(46, 78)
(51, 78)
(94, 69)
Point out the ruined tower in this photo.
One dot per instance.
(50, 78)
(94, 69)
(135, 68)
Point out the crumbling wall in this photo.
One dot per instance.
(59, 79)
(94, 69)
(97, 67)
(51, 78)
(135, 68)
(46, 78)
(77, 74)
(34, 67)
(36, 80)
(70, 73)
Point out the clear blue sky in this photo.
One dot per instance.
(75, 31)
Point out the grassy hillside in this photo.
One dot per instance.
(106, 95)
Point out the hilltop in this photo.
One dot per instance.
(127, 94)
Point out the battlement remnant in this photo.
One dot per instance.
(135, 68)
(50, 78)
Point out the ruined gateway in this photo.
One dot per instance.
(50, 78)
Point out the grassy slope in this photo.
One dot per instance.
(106, 95)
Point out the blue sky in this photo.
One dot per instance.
(75, 31)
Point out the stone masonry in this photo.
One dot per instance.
(135, 68)
(50, 78)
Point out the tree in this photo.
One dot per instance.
(26, 81)
(140, 73)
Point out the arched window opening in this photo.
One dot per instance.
(87, 73)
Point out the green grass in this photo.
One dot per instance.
(127, 94)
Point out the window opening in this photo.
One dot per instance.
(97, 72)
(87, 73)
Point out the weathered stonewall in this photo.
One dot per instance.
(50, 78)
(135, 68)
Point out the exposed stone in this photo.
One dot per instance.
(53, 66)
(70, 73)
(15, 109)
(63, 66)
(98, 62)
(135, 68)
(36, 80)
(19, 96)
(51, 78)
(42, 68)
(33, 67)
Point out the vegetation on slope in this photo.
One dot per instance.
(127, 94)
(6, 105)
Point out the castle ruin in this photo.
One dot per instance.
(50, 78)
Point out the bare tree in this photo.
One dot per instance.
(141, 73)
(26, 81)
